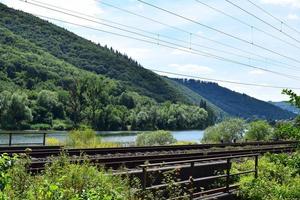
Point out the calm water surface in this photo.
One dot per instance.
(123, 137)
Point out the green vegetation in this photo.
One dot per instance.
(84, 54)
(50, 93)
(234, 103)
(60, 96)
(237, 129)
(279, 178)
(61, 180)
(259, 130)
(227, 131)
(155, 138)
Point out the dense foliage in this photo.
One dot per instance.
(235, 129)
(259, 130)
(155, 138)
(40, 91)
(278, 178)
(229, 130)
(87, 55)
(234, 103)
(61, 180)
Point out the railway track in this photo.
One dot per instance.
(132, 157)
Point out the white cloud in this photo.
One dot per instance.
(293, 3)
(256, 72)
(293, 17)
(191, 69)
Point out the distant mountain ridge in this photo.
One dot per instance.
(234, 103)
(286, 106)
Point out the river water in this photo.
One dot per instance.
(123, 137)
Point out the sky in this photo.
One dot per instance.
(190, 39)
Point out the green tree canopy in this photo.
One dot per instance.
(259, 130)
(226, 131)
(155, 138)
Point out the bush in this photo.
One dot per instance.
(279, 178)
(83, 139)
(61, 125)
(52, 142)
(285, 131)
(63, 180)
(259, 130)
(41, 126)
(227, 131)
(155, 138)
(86, 138)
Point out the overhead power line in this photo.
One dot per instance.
(195, 34)
(223, 81)
(271, 15)
(220, 31)
(165, 36)
(252, 27)
(178, 47)
(265, 22)
(166, 72)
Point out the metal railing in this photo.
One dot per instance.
(148, 168)
(11, 134)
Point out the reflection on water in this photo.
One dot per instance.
(124, 137)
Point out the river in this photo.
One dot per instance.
(123, 137)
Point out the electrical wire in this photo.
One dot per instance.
(202, 53)
(276, 18)
(161, 35)
(219, 31)
(194, 34)
(247, 24)
(260, 19)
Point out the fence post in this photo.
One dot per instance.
(256, 166)
(227, 174)
(44, 139)
(191, 187)
(10, 139)
(144, 178)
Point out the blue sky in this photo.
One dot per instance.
(161, 58)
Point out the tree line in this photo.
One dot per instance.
(98, 102)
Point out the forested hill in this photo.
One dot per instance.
(287, 106)
(234, 103)
(88, 55)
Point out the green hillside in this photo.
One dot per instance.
(87, 55)
(41, 91)
(234, 103)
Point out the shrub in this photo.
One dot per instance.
(61, 125)
(41, 126)
(155, 138)
(82, 139)
(86, 138)
(52, 141)
(286, 130)
(259, 130)
(64, 180)
(279, 178)
(227, 131)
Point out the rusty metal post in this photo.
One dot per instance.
(256, 166)
(44, 139)
(227, 174)
(10, 139)
(191, 187)
(144, 178)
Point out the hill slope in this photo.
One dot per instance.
(88, 55)
(234, 103)
(286, 106)
(38, 90)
